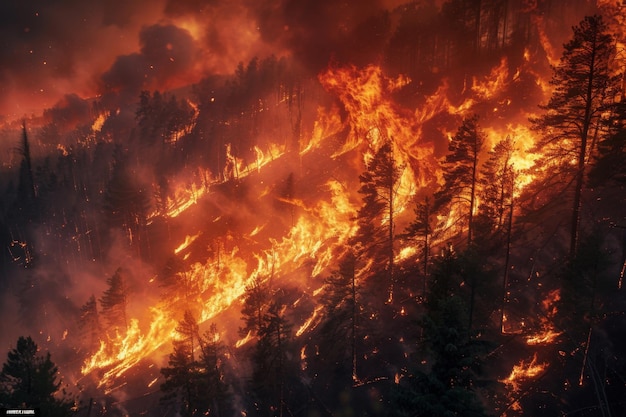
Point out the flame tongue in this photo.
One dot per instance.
(523, 371)
(314, 238)
(322, 227)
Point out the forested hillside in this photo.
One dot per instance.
(392, 209)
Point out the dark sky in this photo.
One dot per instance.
(53, 48)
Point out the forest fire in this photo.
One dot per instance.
(314, 237)
(419, 218)
(549, 310)
(522, 372)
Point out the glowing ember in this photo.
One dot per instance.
(548, 334)
(545, 337)
(244, 340)
(188, 241)
(310, 320)
(523, 372)
(99, 122)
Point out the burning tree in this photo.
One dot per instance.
(376, 217)
(115, 300)
(585, 89)
(461, 170)
(498, 184)
(89, 324)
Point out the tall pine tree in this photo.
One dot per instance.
(115, 299)
(461, 171)
(585, 87)
(28, 379)
(375, 218)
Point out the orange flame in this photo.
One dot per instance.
(312, 240)
(308, 321)
(548, 334)
(522, 372)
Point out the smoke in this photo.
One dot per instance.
(96, 48)
(52, 49)
(316, 32)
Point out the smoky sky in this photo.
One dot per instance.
(91, 48)
(53, 48)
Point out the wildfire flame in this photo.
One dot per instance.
(549, 333)
(314, 238)
(321, 229)
(524, 371)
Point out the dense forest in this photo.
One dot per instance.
(416, 211)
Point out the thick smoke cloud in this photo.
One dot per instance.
(167, 53)
(91, 47)
(68, 112)
(50, 49)
(319, 31)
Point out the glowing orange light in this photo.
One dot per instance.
(524, 371)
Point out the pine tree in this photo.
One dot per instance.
(215, 390)
(609, 168)
(585, 86)
(89, 324)
(26, 191)
(444, 384)
(271, 365)
(115, 299)
(189, 331)
(126, 201)
(256, 301)
(376, 216)
(180, 386)
(28, 379)
(461, 171)
(497, 181)
(338, 332)
(185, 378)
(421, 227)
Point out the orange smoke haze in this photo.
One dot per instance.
(91, 48)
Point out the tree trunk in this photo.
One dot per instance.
(472, 193)
(353, 330)
(582, 156)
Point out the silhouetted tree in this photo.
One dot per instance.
(375, 218)
(609, 168)
(89, 324)
(181, 385)
(421, 228)
(256, 302)
(28, 379)
(196, 385)
(461, 170)
(498, 181)
(115, 299)
(337, 351)
(271, 364)
(126, 201)
(585, 86)
(443, 385)
(213, 387)
(26, 191)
